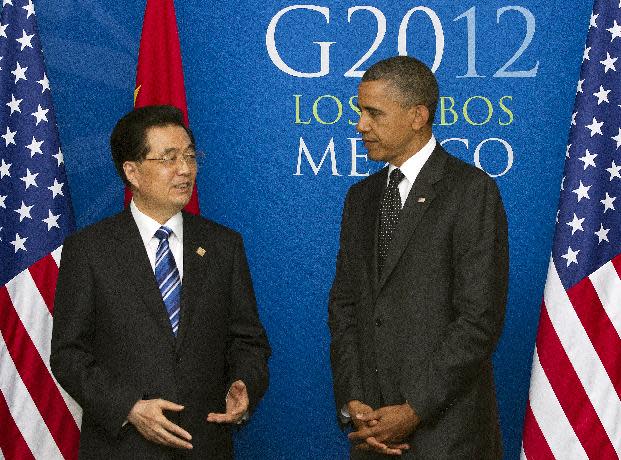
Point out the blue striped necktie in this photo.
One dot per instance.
(167, 276)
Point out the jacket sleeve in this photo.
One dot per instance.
(107, 399)
(248, 348)
(344, 350)
(479, 291)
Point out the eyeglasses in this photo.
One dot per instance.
(171, 159)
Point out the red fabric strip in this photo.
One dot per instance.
(535, 445)
(45, 273)
(570, 392)
(12, 443)
(39, 382)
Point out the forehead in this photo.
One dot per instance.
(167, 137)
(377, 93)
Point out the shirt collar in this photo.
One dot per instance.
(412, 166)
(148, 226)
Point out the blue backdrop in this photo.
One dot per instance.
(269, 88)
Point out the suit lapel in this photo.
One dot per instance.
(199, 265)
(133, 259)
(419, 199)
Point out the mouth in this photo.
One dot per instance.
(183, 187)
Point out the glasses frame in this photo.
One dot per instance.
(171, 160)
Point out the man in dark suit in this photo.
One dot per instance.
(156, 333)
(417, 303)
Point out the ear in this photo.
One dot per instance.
(130, 168)
(419, 116)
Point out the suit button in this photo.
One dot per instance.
(378, 322)
(376, 370)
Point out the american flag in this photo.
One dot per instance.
(37, 418)
(574, 407)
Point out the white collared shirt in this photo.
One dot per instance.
(411, 168)
(147, 228)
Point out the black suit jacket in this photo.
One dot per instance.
(112, 343)
(424, 332)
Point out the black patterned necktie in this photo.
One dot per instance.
(390, 207)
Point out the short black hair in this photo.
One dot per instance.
(415, 82)
(128, 141)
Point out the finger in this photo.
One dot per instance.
(237, 388)
(362, 434)
(237, 396)
(220, 418)
(169, 405)
(175, 429)
(363, 446)
(238, 408)
(383, 448)
(368, 416)
(238, 384)
(169, 439)
(399, 446)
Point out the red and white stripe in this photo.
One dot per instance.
(39, 419)
(574, 405)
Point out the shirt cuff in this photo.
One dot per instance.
(345, 416)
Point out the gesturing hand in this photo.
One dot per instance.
(149, 419)
(392, 425)
(237, 402)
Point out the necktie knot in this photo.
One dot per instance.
(163, 233)
(396, 176)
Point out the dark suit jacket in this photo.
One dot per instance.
(425, 331)
(112, 343)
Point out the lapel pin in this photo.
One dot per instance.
(200, 251)
(421, 199)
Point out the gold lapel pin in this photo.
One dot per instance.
(200, 251)
(421, 199)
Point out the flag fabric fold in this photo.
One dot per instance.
(159, 78)
(574, 404)
(38, 419)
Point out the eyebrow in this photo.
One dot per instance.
(370, 108)
(174, 149)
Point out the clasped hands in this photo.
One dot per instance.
(147, 415)
(382, 430)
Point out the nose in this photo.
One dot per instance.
(183, 165)
(362, 126)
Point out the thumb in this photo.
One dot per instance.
(169, 405)
(367, 417)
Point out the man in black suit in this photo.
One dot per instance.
(156, 333)
(417, 303)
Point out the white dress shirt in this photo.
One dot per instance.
(411, 168)
(147, 228)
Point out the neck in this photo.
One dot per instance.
(415, 146)
(161, 216)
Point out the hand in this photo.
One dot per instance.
(149, 419)
(356, 409)
(393, 424)
(237, 402)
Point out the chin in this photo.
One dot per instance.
(376, 156)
